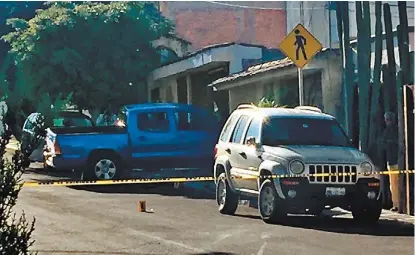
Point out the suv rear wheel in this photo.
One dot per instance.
(269, 204)
(227, 199)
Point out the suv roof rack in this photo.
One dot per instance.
(308, 108)
(246, 106)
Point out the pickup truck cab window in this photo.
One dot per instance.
(194, 121)
(153, 122)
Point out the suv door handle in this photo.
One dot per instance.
(228, 150)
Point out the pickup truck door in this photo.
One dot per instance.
(152, 136)
(196, 138)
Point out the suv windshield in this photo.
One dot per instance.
(303, 131)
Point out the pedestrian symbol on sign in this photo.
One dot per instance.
(300, 42)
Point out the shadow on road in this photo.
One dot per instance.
(345, 225)
(213, 253)
(165, 189)
(57, 174)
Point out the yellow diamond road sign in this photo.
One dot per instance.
(300, 46)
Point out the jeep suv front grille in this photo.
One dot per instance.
(338, 170)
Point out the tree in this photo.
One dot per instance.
(100, 52)
(15, 233)
(17, 9)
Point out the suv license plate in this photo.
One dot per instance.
(332, 191)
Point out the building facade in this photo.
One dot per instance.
(207, 23)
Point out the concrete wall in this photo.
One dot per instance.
(322, 75)
(251, 93)
(232, 54)
(283, 89)
(207, 23)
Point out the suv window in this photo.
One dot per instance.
(253, 129)
(226, 132)
(303, 131)
(153, 122)
(239, 129)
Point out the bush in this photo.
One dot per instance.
(15, 233)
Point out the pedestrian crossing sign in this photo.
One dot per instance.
(300, 46)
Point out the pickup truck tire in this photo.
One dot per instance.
(103, 166)
(269, 204)
(227, 199)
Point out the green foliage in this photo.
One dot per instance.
(97, 51)
(20, 97)
(266, 102)
(15, 233)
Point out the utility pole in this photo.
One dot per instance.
(300, 71)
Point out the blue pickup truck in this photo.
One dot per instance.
(146, 138)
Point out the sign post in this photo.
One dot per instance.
(300, 46)
(300, 86)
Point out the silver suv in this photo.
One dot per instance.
(258, 143)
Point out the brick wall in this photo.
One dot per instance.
(205, 24)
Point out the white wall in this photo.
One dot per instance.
(232, 54)
(316, 19)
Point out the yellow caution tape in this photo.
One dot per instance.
(198, 179)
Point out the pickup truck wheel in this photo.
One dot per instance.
(103, 167)
(269, 203)
(227, 199)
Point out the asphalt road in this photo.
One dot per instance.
(105, 220)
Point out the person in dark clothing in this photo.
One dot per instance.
(389, 146)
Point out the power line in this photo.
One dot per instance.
(263, 8)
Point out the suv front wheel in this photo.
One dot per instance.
(227, 199)
(269, 204)
(368, 213)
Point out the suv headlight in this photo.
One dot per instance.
(297, 167)
(366, 167)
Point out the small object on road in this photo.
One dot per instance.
(142, 206)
